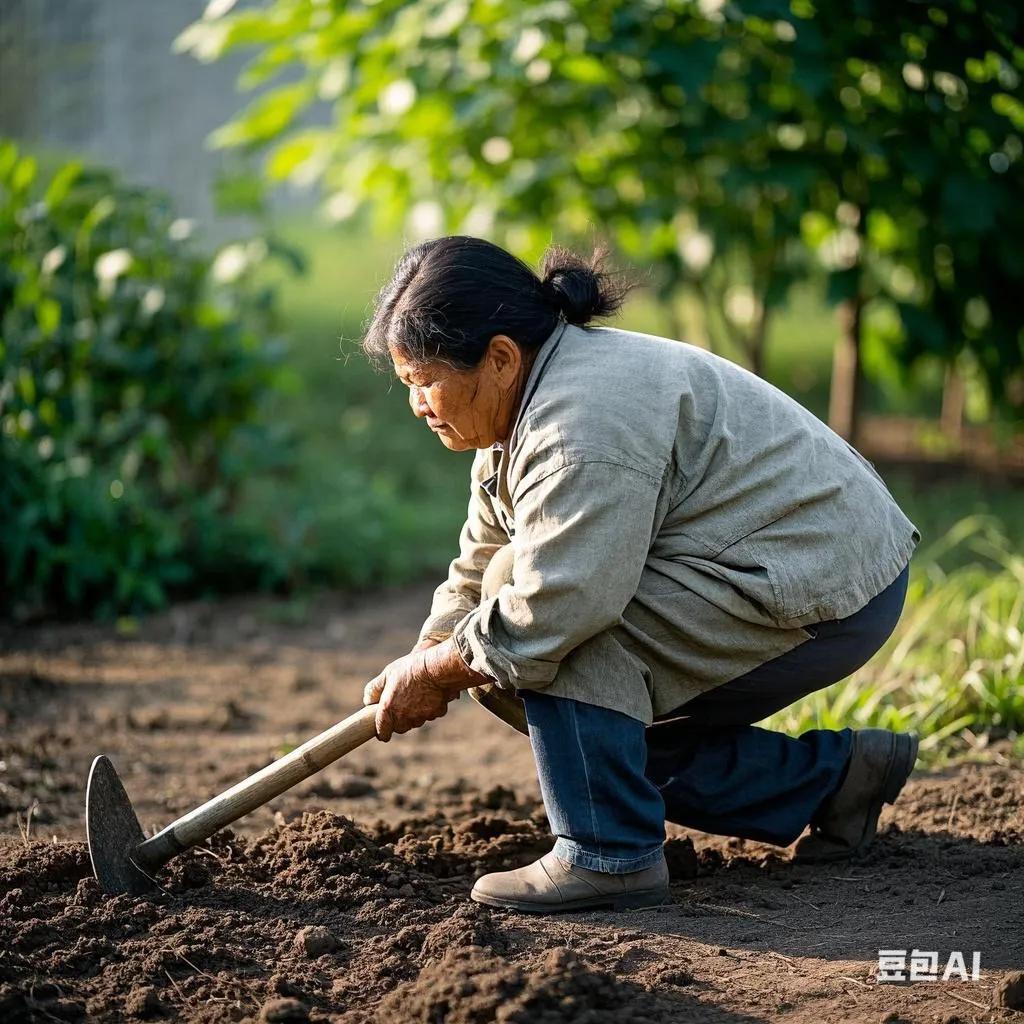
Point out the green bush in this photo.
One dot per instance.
(133, 372)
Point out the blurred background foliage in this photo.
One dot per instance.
(830, 194)
(732, 148)
(133, 379)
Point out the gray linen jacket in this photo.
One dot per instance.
(675, 522)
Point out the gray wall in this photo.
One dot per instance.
(97, 77)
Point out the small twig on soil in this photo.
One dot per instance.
(806, 903)
(856, 981)
(192, 965)
(41, 1008)
(942, 896)
(952, 810)
(181, 995)
(209, 853)
(972, 1002)
(849, 878)
(788, 961)
(746, 913)
(26, 829)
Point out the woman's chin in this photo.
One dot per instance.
(453, 442)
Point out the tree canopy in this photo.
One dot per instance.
(732, 147)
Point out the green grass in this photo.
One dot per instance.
(953, 668)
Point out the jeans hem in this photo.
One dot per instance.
(572, 852)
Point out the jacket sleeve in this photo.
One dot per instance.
(583, 529)
(481, 536)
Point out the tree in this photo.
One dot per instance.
(730, 147)
(522, 120)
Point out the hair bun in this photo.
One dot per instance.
(581, 290)
(575, 291)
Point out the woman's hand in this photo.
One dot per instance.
(406, 695)
(424, 644)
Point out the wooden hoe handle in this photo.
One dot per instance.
(253, 792)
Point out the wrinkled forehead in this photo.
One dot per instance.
(405, 364)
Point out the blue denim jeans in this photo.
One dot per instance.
(609, 784)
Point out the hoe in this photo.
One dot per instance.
(124, 860)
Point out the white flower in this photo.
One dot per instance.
(697, 249)
(181, 229)
(153, 300)
(791, 136)
(230, 263)
(530, 42)
(218, 8)
(397, 97)
(111, 265)
(333, 80)
(54, 259)
(913, 75)
(538, 70)
(426, 219)
(840, 250)
(496, 150)
(447, 21)
(711, 9)
(741, 305)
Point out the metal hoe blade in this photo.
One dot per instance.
(113, 832)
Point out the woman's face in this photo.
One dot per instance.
(466, 408)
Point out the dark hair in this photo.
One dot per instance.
(449, 296)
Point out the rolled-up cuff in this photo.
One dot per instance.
(574, 853)
(483, 655)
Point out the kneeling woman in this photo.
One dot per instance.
(661, 549)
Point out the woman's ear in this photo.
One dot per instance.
(504, 355)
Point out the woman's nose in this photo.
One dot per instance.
(418, 402)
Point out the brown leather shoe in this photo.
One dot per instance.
(550, 885)
(843, 827)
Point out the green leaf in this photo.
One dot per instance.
(266, 118)
(291, 154)
(48, 316)
(61, 183)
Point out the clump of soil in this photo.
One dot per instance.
(471, 986)
(484, 843)
(306, 919)
(309, 915)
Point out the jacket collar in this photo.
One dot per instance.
(544, 354)
(496, 484)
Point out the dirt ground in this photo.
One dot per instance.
(346, 899)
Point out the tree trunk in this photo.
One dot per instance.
(954, 395)
(847, 377)
(756, 349)
(672, 318)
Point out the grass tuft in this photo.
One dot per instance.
(953, 668)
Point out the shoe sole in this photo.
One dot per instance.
(644, 900)
(902, 759)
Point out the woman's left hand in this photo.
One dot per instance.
(406, 696)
